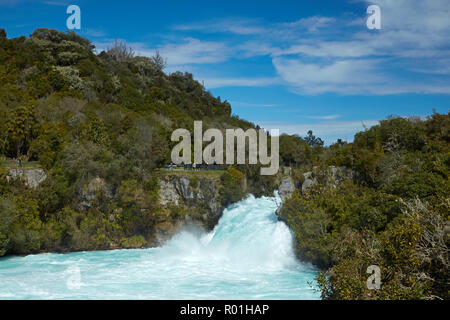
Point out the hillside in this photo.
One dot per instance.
(100, 127)
(382, 200)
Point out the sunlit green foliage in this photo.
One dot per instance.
(395, 214)
(232, 186)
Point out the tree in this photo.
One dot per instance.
(7, 218)
(232, 186)
(21, 128)
(294, 150)
(119, 51)
(159, 61)
(312, 140)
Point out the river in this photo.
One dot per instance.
(249, 255)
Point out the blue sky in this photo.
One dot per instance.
(292, 65)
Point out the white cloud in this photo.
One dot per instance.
(409, 55)
(96, 33)
(312, 24)
(324, 49)
(414, 38)
(328, 117)
(212, 83)
(231, 25)
(257, 105)
(194, 51)
(347, 76)
(189, 52)
(330, 131)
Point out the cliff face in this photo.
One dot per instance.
(184, 199)
(194, 199)
(31, 178)
(189, 199)
(330, 177)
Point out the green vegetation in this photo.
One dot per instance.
(10, 164)
(134, 242)
(232, 186)
(100, 126)
(395, 214)
(214, 174)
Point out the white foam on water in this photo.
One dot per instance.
(249, 255)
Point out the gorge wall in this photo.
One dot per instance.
(330, 177)
(184, 199)
(194, 199)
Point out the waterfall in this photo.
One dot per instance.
(249, 255)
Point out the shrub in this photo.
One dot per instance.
(134, 242)
(232, 189)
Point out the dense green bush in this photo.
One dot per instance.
(232, 189)
(395, 214)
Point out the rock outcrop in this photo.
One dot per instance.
(168, 194)
(309, 182)
(336, 175)
(197, 198)
(91, 191)
(32, 178)
(330, 177)
(179, 191)
(287, 188)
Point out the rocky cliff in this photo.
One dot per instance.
(31, 178)
(195, 198)
(330, 177)
(185, 200)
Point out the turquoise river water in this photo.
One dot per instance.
(249, 255)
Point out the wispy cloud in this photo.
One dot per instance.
(414, 33)
(253, 105)
(328, 117)
(188, 51)
(319, 54)
(230, 25)
(312, 24)
(195, 51)
(330, 131)
(95, 33)
(240, 82)
(56, 3)
(349, 76)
